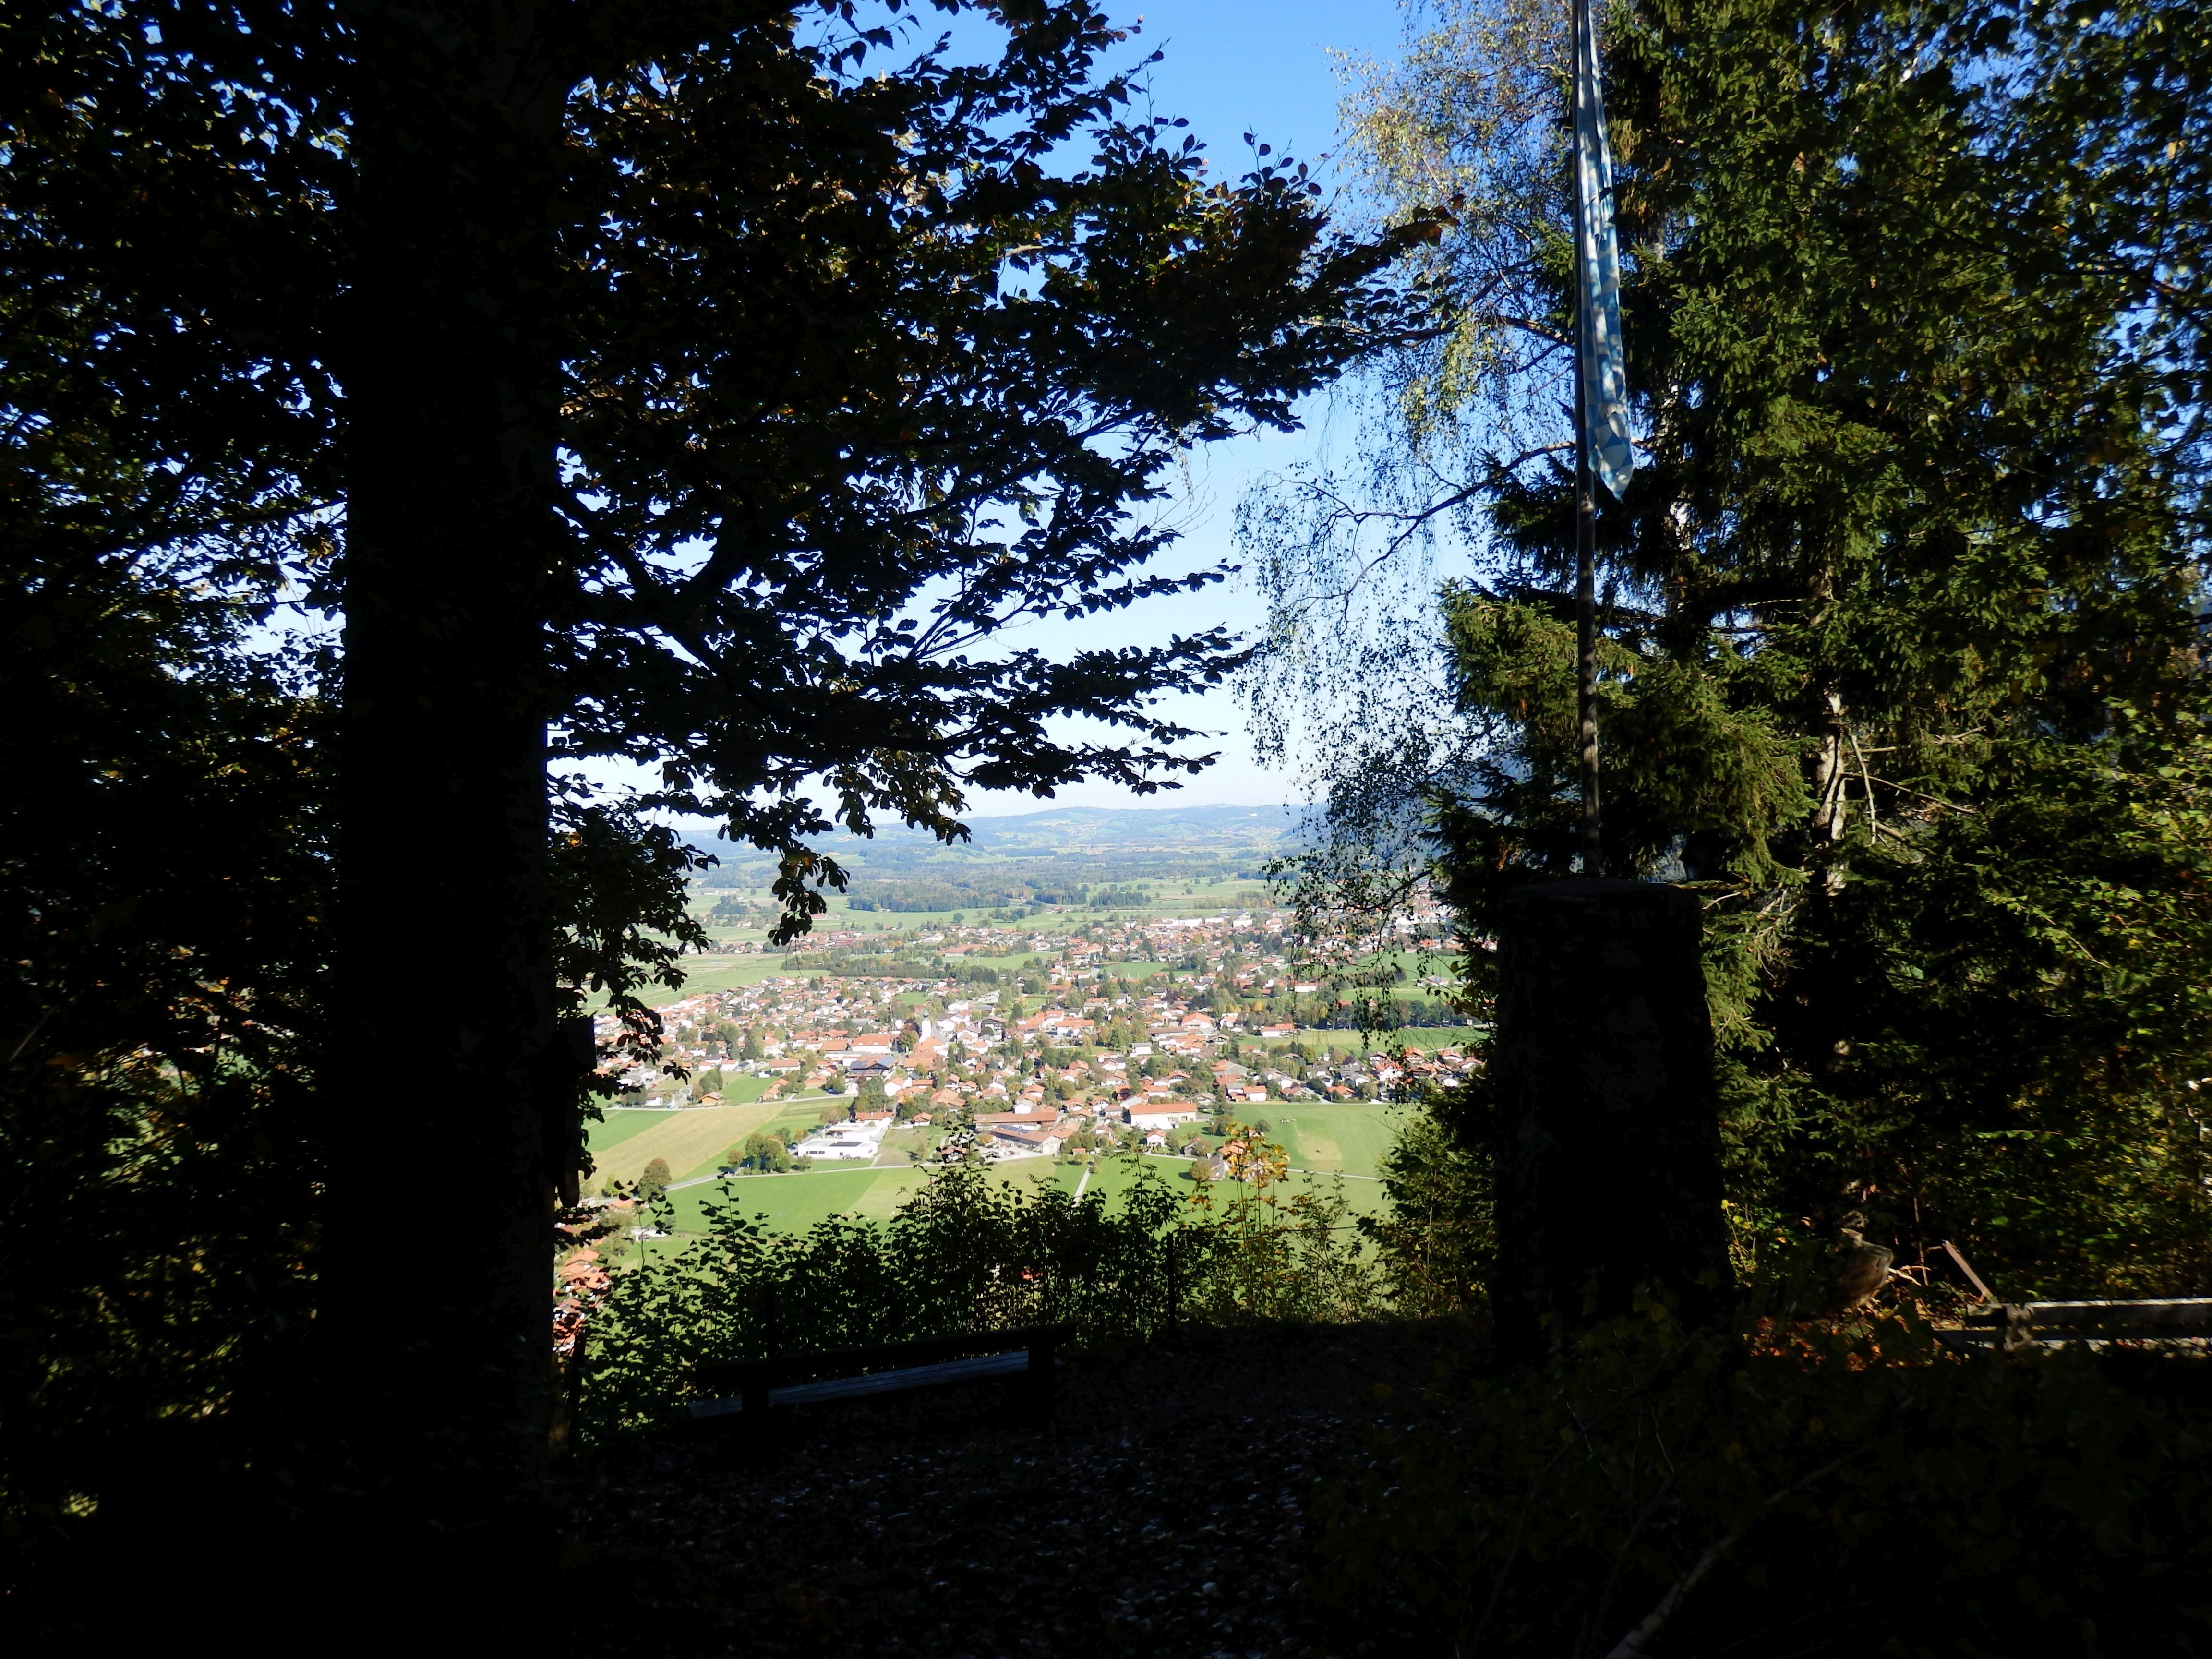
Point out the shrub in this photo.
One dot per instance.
(965, 1253)
(1845, 1489)
(1434, 1244)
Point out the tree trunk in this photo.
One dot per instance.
(1831, 777)
(436, 1264)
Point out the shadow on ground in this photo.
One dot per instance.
(1162, 1511)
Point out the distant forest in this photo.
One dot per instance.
(926, 894)
(955, 879)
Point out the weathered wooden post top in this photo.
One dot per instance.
(1608, 1122)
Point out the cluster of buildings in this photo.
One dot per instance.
(1138, 1029)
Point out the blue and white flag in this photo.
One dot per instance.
(1602, 364)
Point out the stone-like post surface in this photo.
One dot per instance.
(1607, 1121)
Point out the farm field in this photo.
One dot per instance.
(690, 1140)
(792, 1203)
(1162, 900)
(620, 1123)
(716, 973)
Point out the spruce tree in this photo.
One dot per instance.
(1903, 663)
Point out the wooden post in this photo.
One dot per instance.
(1044, 1360)
(1607, 1124)
(755, 1393)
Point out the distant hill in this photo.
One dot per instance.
(1088, 843)
(1100, 829)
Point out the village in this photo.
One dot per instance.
(1144, 1034)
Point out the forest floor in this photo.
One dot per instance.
(1163, 1511)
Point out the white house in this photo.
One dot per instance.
(847, 1142)
(1160, 1113)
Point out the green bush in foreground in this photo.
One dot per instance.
(965, 1254)
(1845, 1489)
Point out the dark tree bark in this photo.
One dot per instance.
(445, 959)
(1607, 1124)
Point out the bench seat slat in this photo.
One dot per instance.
(875, 1382)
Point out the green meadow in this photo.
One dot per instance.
(792, 1203)
(1351, 1137)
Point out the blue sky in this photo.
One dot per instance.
(1231, 67)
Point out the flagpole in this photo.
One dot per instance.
(1585, 499)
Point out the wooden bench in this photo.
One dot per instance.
(751, 1387)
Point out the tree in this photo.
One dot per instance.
(164, 898)
(654, 1182)
(168, 887)
(763, 1151)
(1902, 666)
(572, 497)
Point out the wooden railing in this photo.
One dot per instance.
(2175, 1323)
